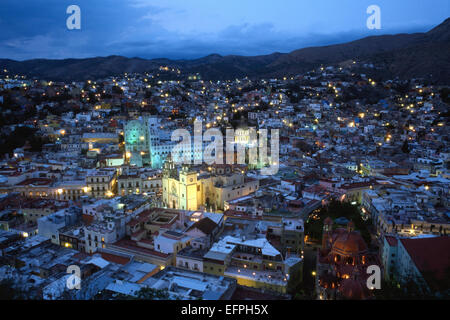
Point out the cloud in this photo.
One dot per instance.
(174, 29)
(45, 46)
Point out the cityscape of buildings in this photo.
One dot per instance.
(94, 205)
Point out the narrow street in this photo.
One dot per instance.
(309, 267)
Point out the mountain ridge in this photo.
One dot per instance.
(421, 55)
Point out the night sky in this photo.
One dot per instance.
(180, 29)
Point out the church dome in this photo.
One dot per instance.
(349, 244)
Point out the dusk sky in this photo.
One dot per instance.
(194, 28)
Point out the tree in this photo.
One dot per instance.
(19, 137)
(336, 209)
(409, 289)
(152, 294)
(116, 90)
(445, 94)
(405, 147)
(9, 292)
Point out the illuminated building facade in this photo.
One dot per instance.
(102, 183)
(253, 263)
(147, 144)
(137, 146)
(342, 264)
(187, 189)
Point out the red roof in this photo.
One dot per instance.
(432, 257)
(142, 217)
(115, 258)
(356, 185)
(392, 241)
(35, 181)
(132, 245)
(296, 202)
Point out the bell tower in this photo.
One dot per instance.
(169, 169)
(170, 184)
(188, 189)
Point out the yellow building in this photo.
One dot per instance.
(187, 189)
(102, 183)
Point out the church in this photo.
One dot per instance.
(342, 264)
(189, 188)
